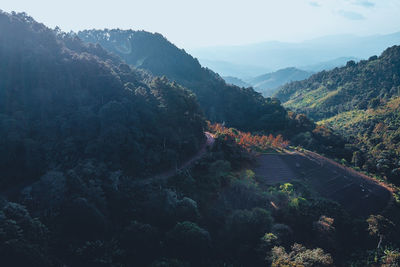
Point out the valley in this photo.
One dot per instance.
(118, 148)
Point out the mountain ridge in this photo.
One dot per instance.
(242, 108)
(268, 83)
(53, 84)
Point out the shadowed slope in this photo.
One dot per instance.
(357, 193)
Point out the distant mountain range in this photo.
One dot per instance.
(236, 81)
(315, 54)
(238, 70)
(268, 83)
(328, 65)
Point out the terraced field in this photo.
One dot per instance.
(357, 193)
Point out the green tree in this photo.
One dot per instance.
(188, 241)
(379, 226)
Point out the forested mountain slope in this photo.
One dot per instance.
(359, 101)
(238, 107)
(78, 128)
(63, 102)
(235, 81)
(242, 108)
(355, 86)
(376, 131)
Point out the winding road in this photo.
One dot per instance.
(166, 174)
(156, 178)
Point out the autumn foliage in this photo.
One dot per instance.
(249, 141)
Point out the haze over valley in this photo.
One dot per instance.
(311, 55)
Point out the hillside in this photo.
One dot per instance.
(78, 129)
(63, 103)
(235, 81)
(355, 86)
(376, 132)
(359, 101)
(105, 165)
(357, 193)
(267, 84)
(238, 107)
(302, 184)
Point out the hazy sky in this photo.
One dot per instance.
(196, 23)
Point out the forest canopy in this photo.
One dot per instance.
(86, 140)
(242, 108)
(359, 101)
(63, 102)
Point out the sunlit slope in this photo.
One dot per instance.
(357, 86)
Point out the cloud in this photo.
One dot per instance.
(314, 4)
(351, 15)
(364, 3)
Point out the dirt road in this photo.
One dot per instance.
(165, 175)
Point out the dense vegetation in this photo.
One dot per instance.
(376, 132)
(239, 107)
(355, 86)
(79, 128)
(360, 101)
(63, 102)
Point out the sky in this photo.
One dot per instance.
(192, 23)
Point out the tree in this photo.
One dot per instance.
(300, 256)
(23, 239)
(357, 159)
(379, 226)
(140, 243)
(325, 232)
(391, 258)
(189, 241)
